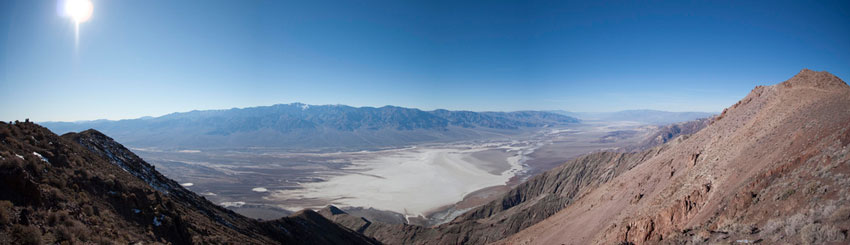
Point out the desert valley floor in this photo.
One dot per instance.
(423, 184)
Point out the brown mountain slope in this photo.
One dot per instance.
(88, 188)
(669, 132)
(773, 167)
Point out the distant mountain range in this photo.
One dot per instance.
(305, 126)
(641, 116)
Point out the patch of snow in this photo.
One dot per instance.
(157, 221)
(232, 204)
(19, 156)
(40, 156)
(187, 184)
(304, 106)
(119, 158)
(260, 189)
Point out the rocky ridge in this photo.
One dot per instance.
(85, 187)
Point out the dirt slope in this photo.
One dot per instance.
(773, 167)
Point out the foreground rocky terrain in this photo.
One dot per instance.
(87, 188)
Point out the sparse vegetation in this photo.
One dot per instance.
(786, 194)
(820, 234)
(5, 212)
(27, 235)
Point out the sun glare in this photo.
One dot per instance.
(79, 10)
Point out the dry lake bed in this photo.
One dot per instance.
(429, 182)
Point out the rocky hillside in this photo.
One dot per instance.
(311, 127)
(88, 188)
(772, 168)
(669, 132)
(654, 135)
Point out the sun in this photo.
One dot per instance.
(79, 10)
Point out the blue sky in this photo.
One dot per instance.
(149, 58)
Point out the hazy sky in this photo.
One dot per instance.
(140, 58)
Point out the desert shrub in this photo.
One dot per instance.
(740, 228)
(119, 187)
(72, 231)
(52, 219)
(819, 234)
(57, 218)
(5, 212)
(84, 174)
(56, 199)
(63, 234)
(101, 240)
(26, 235)
(773, 226)
(794, 223)
(4, 131)
(34, 169)
(88, 210)
(57, 182)
(79, 230)
(841, 214)
(785, 195)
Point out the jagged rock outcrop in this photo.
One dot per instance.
(85, 187)
(771, 168)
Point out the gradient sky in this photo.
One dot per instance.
(149, 58)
